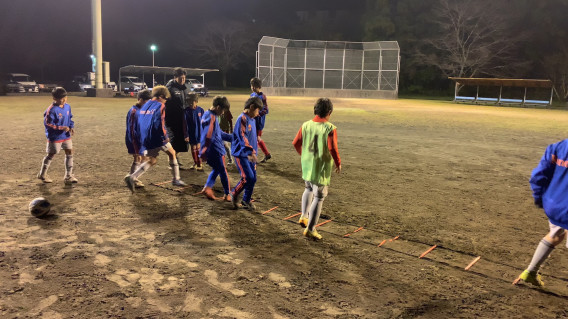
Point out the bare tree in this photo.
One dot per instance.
(224, 46)
(474, 40)
(556, 68)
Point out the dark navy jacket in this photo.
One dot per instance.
(193, 120)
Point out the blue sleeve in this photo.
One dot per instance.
(71, 123)
(542, 174)
(227, 137)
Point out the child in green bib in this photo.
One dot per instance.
(316, 142)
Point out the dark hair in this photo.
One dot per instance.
(222, 102)
(191, 97)
(253, 103)
(256, 83)
(323, 107)
(144, 95)
(160, 90)
(58, 93)
(179, 72)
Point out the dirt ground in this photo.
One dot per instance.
(432, 173)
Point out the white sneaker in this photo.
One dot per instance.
(129, 182)
(44, 178)
(70, 180)
(178, 182)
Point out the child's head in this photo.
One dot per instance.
(59, 95)
(160, 91)
(221, 104)
(255, 84)
(192, 100)
(323, 107)
(144, 96)
(179, 75)
(253, 106)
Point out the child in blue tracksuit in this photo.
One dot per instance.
(244, 149)
(153, 137)
(59, 128)
(256, 86)
(132, 144)
(193, 114)
(212, 147)
(549, 182)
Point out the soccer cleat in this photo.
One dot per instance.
(312, 234)
(70, 180)
(303, 221)
(199, 167)
(138, 184)
(227, 198)
(194, 166)
(234, 201)
(208, 192)
(249, 205)
(44, 178)
(266, 158)
(129, 182)
(178, 182)
(532, 277)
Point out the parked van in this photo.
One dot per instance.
(132, 84)
(20, 83)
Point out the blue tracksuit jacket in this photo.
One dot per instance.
(55, 119)
(151, 131)
(261, 118)
(244, 137)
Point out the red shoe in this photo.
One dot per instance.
(208, 192)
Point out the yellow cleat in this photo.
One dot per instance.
(532, 277)
(303, 221)
(312, 234)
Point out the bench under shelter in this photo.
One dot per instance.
(503, 83)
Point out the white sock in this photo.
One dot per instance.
(175, 169)
(68, 165)
(45, 165)
(542, 252)
(307, 199)
(142, 168)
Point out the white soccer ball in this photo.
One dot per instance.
(39, 207)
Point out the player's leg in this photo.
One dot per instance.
(263, 147)
(213, 161)
(224, 179)
(307, 199)
(199, 163)
(240, 186)
(545, 247)
(320, 192)
(174, 165)
(150, 160)
(194, 155)
(136, 162)
(67, 146)
(51, 150)
(250, 172)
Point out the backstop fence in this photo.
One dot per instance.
(342, 69)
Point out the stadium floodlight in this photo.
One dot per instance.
(153, 48)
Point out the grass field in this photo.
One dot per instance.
(430, 172)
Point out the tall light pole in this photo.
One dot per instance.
(97, 42)
(153, 47)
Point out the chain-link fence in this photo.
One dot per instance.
(308, 64)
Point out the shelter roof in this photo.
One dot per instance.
(503, 82)
(160, 70)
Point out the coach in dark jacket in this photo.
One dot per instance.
(175, 106)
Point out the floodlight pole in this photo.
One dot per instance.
(97, 42)
(153, 48)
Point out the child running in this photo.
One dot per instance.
(549, 183)
(255, 86)
(132, 144)
(212, 148)
(59, 128)
(244, 148)
(193, 114)
(316, 142)
(153, 137)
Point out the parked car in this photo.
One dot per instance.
(20, 83)
(196, 86)
(79, 83)
(112, 85)
(47, 87)
(132, 84)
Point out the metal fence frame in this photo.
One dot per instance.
(279, 64)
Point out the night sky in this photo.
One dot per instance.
(51, 40)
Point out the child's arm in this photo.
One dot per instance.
(264, 109)
(542, 174)
(227, 137)
(334, 150)
(298, 142)
(243, 140)
(71, 123)
(230, 119)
